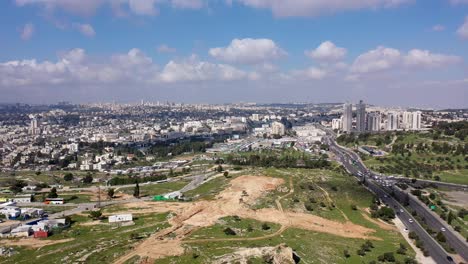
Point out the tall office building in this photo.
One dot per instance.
(392, 121)
(361, 117)
(347, 117)
(373, 122)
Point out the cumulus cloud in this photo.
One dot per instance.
(194, 70)
(85, 29)
(164, 48)
(290, 8)
(424, 58)
(27, 31)
(327, 51)
(383, 58)
(379, 59)
(462, 31)
(75, 67)
(248, 51)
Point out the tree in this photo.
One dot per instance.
(219, 168)
(226, 174)
(440, 237)
(346, 253)
(450, 217)
(17, 186)
(265, 226)
(68, 177)
(95, 214)
(88, 179)
(110, 193)
(136, 191)
(52, 193)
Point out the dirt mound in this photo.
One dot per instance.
(234, 200)
(280, 254)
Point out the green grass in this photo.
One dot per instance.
(103, 242)
(312, 247)
(155, 189)
(209, 189)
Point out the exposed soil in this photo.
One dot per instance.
(234, 200)
(33, 242)
(280, 254)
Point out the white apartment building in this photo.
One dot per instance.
(278, 128)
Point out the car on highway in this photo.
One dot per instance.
(401, 210)
(443, 229)
(410, 220)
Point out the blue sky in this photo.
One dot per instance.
(391, 52)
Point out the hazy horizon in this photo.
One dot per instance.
(404, 53)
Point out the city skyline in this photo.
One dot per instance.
(402, 53)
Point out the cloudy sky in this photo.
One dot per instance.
(389, 52)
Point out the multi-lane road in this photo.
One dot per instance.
(353, 165)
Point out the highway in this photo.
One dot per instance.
(353, 165)
(454, 239)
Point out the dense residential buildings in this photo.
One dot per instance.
(392, 121)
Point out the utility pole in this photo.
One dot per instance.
(99, 197)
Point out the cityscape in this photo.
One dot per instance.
(234, 132)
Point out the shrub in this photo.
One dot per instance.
(265, 226)
(229, 231)
(346, 253)
(354, 207)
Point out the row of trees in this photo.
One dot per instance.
(131, 180)
(278, 160)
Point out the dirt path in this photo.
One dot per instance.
(381, 224)
(234, 200)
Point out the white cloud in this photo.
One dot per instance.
(327, 51)
(119, 7)
(438, 28)
(424, 58)
(383, 59)
(282, 8)
(85, 29)
(248, 51)
(311, 73)
(79, 7)
(74, 67)
(194, 70)
(163, 48)
(378, 59)
(462, 31)
(27, 31)
(143, 7)
(189, 4)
